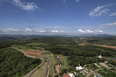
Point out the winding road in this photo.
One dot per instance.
(42, 59)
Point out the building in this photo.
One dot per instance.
(100, 56)
(71, 75)
(106, 62)
(79, 68)
(97, 65)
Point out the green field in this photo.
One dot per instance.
(46, 52)
(92, 66)
(41, 71)
(26, 47)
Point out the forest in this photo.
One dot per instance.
(14, 64)
(11, 60)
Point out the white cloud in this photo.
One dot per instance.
(100, 31)
(54, 31)
(89, 31)
(81, 31)
(113, 14)
(100, 10)
(28, 30)
(42, 31)
(24, 5)
(109, 24)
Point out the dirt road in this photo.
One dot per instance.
(93, 72)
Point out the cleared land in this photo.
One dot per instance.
(113, 47)
(34, 52)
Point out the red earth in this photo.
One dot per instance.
(34, 52)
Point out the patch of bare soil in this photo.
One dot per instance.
(57, 68)
(113, 47)
(34, 52)
(84, 44)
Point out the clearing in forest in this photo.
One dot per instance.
(34, 52)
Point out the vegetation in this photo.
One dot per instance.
(107, 73)
(14, 64)
(92, 66)
(41, 71)
(67, 47)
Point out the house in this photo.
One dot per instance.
(97, 65)
(106, 62)
(79, 68)
(100, 56)
(71, 75)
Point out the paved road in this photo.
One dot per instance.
(31, 72)
(47, 68)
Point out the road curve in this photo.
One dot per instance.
(31, 72)
(43, 61)
(47, 68)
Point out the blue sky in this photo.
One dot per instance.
(57, 16)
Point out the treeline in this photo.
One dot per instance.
(86, 51)
(106, 41)
(14, 64)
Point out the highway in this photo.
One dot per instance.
(47, 68)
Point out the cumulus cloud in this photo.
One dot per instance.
(81, 31)
(100, 31)
(25, 5)
(54, 31)
(113, 14)
(89, 31)
(100, 10)
(28, 30)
